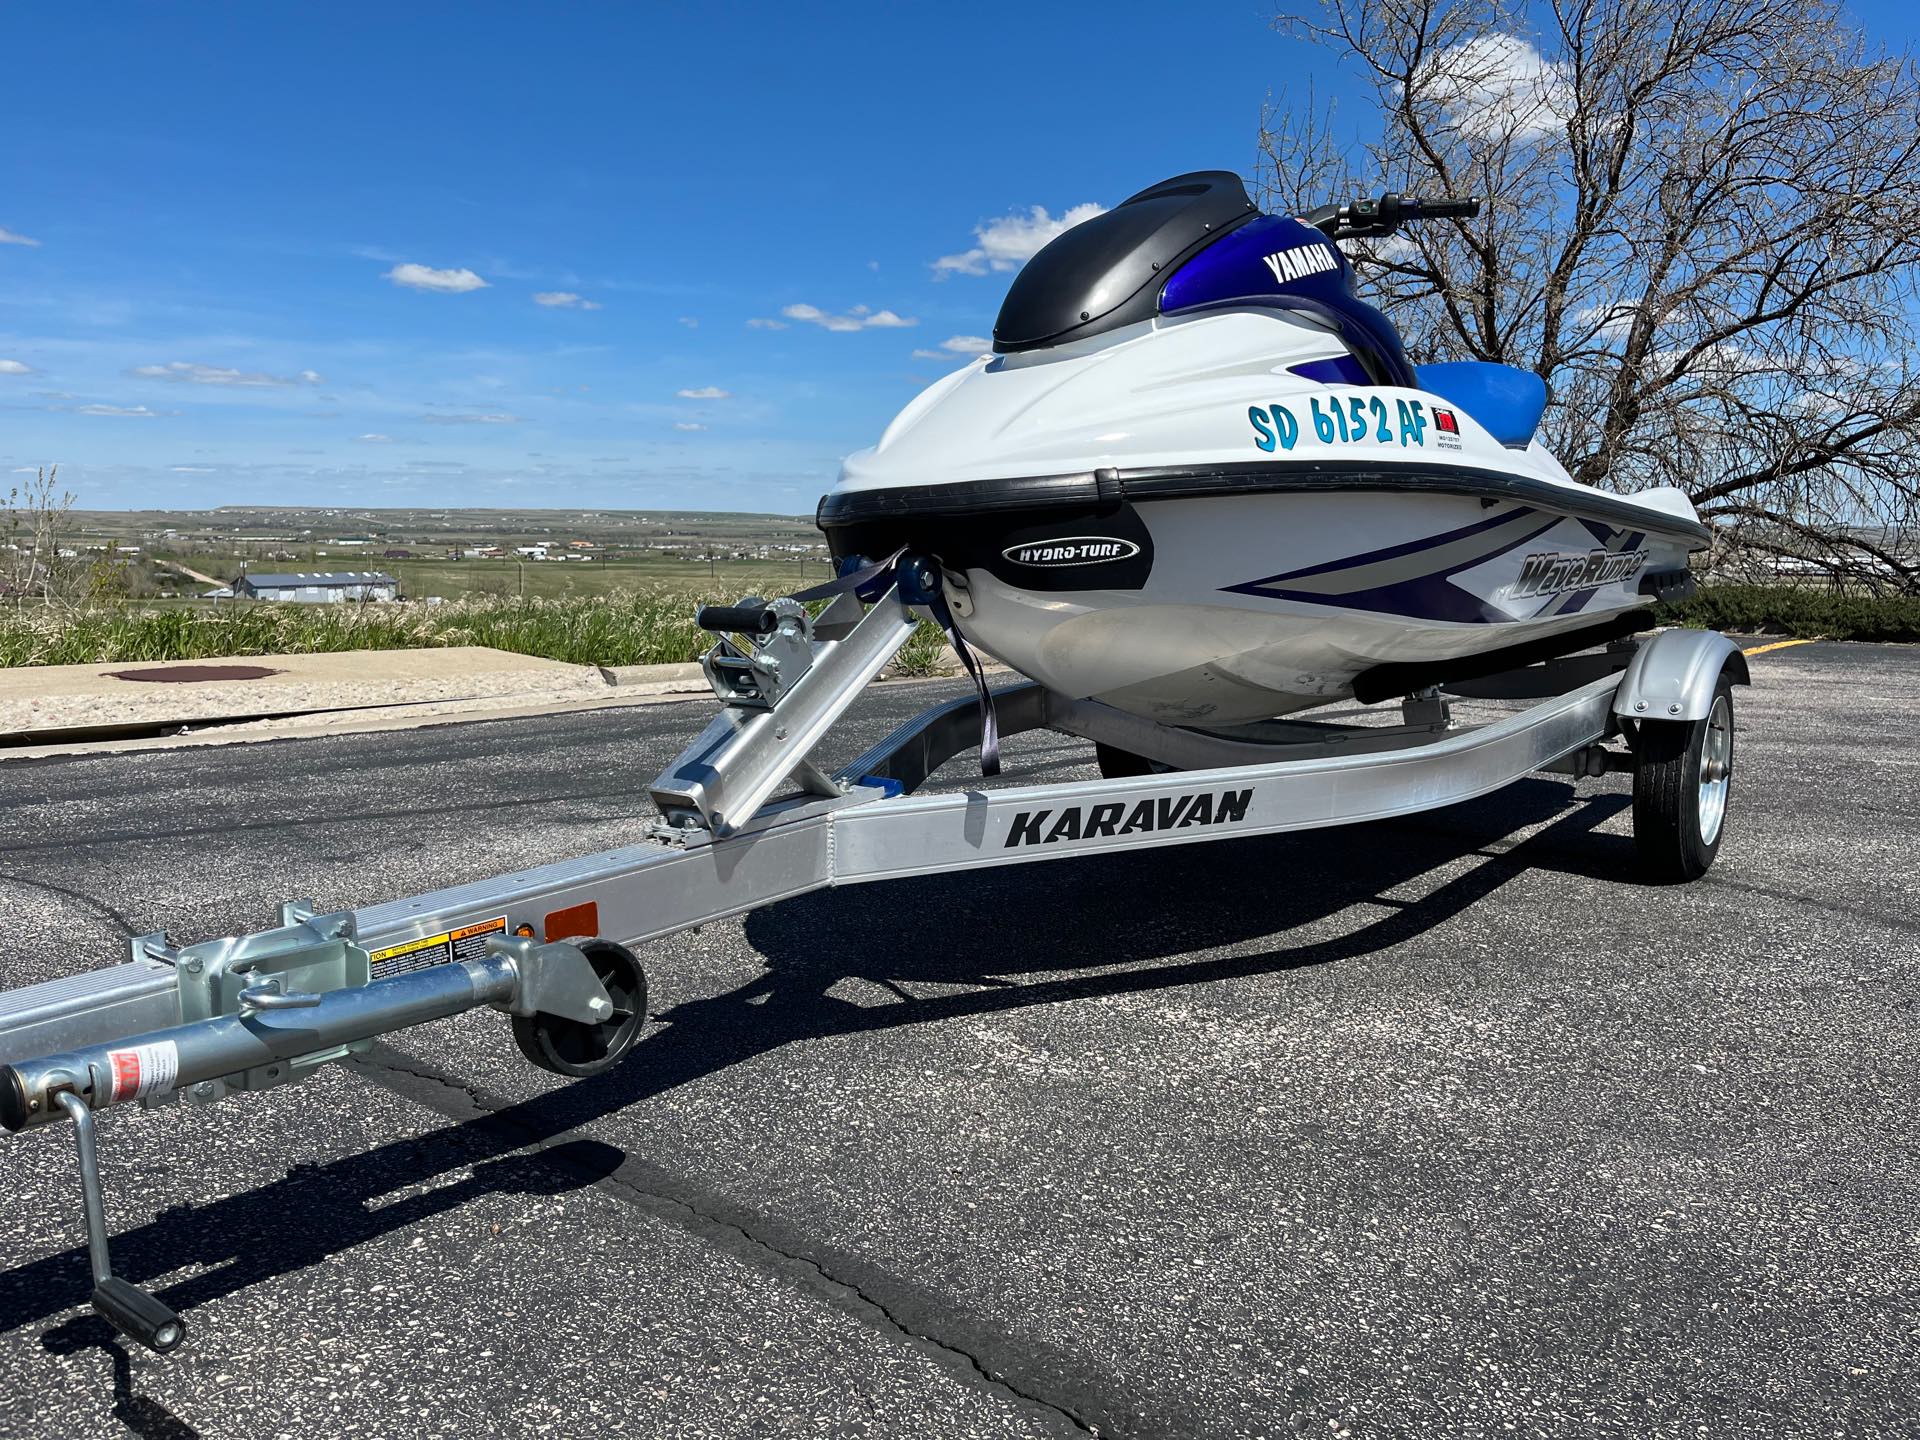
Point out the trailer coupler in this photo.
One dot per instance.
(268, 1009)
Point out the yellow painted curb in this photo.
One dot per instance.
(1780, 645)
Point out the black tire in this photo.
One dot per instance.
(576, 1048)
(1118, 764)
(1677, 822)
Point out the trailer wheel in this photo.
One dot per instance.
(1681, 783)
(576, 1048)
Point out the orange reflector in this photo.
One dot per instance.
(523, 929)
(574, 921)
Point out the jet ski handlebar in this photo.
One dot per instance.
(1385, 214)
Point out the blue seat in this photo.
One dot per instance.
(1507, 402)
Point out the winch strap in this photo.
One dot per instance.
(855, 580)
(867, 575)
(989, 723)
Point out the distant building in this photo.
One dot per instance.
(320, 588)
(396, 554)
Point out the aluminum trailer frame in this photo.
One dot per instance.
(554, 945)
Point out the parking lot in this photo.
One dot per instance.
(1442, 1126)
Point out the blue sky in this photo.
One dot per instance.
(227, 205)
(294, 254)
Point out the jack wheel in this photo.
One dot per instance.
(577, 1048)
(1681, 785)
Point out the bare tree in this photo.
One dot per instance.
(33, 518)
(1703, 230)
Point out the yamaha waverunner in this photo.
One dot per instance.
(1198, 479)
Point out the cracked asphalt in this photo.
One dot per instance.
(1444, 1126)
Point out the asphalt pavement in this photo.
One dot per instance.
(1435, 1127)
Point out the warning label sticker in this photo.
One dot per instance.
(469, 942)
(141, 1070)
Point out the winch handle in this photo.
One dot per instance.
(737, 619)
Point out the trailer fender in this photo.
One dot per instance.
(1673, 675)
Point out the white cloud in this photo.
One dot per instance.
(1726, 362)
(760, 323)
(425, 277)
(564, 300)
(705, 392)
(180, 370)
(372, 439)
(1392, 249)
(860, 317)
(136, 412)
(687, 425)
(1609, 322)
(690, 322)
(15, 367)
(1498, 87)
(14, 237)
(1817, 405)
(956, 347)
(496, 419)
(1012, 240)
(191, 469)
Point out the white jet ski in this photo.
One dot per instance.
(1198, 479)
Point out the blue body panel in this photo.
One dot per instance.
(1507, 402)
(1289, 265)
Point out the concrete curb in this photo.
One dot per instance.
(655, 679)
(81, 710)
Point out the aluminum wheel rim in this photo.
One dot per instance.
(1716, 769)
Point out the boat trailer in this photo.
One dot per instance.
(747, 818)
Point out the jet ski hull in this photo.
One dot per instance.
(1188, 519)
(1281, 606)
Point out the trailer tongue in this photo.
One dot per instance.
(747, 818)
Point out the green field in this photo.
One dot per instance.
(630, 550)
(454, 579)
(543, 579)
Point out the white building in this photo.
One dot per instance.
(321, 588)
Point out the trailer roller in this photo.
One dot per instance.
(748, 818)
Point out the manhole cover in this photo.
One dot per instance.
(186, 674)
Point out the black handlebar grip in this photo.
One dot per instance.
(138, 1315)
(1448, 209)
(741, 619)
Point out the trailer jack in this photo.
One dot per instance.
(255, 1024)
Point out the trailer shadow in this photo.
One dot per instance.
(141, 1414)
(1004, 939)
